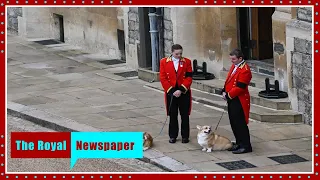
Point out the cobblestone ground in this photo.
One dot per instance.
(62, 80)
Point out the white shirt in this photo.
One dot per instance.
(236, 67)
(175, 63)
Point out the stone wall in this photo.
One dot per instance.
(94, 29)
(36, 22)
(280, 18)
(206, 34)
(302, 68)
(300, 35)
(12, 22)
(133, 25)
(168, 33)
(134, 36)
(304, 14)
(302, 76)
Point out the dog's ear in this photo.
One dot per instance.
(198, 127)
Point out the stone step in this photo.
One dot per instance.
(257, 113)
(261, 67)
(215, 86)
(258, 80)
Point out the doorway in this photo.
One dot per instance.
(121, 44)
(58, 29)
(255, 33)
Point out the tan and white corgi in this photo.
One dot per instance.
(147, 141)
(209, 141)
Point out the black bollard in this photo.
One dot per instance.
(273, 93)
(267, 81)
(204, 68)
(276, 84)
(201, 73)
(195, 66)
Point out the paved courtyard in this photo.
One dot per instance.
(63, 81)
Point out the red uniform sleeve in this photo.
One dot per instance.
(163, 77)
(185, 86)
(241, 85)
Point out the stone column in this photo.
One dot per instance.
(168, 33)
(299, 62)
(132, 38)
(280, 17)
(13, 13)
(22, 23)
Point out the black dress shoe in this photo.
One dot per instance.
(234, 147)
(242, 151)
(185, 140)
(172, 140)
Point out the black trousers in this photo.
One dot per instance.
(238, 123)
(182, 104)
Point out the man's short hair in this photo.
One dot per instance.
(176, 47)
(236, 52)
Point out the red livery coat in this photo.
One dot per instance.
(169, 77)
(236, 85)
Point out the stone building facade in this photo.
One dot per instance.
(168, 32)
(14, 13)
(133, 25)
(203, 37)
(209, 34)
(299, 35)
(206, 34)
(133, 36)
(94, 29)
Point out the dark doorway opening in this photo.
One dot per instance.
(255, 33)
(144, 50)
(121, 44)
(58, 28)
(244, 32)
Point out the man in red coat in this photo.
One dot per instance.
(236, 93)
(176, 79)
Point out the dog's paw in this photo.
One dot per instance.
(145, 148)
(204, 149)
(209, 150)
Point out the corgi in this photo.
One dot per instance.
(147, 141)
(209, 141)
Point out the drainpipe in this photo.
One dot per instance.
(154, 39)
(159, 11)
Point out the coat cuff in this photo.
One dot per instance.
(183, 89)
(170, 91)
(228, 97)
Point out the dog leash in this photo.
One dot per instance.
(167, 115)
(220, 118)
(166, 118)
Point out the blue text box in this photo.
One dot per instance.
(106, 145)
